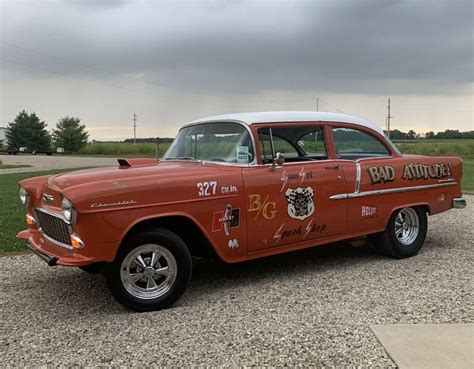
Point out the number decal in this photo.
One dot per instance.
(206, 188)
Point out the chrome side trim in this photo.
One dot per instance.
(389, 190)
(459, 203)
(358, 175)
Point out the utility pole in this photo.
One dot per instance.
(388, 118)
(317, 104)
(134, 128)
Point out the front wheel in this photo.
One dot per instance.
(151, 271)
(404, 235)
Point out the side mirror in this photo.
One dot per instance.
(279, 159)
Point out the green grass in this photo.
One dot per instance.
(467, 182)
(462, 148)
(10, 166)
(12, 211)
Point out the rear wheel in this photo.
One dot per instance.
(404, 235)
(151, 271)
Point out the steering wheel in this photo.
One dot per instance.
(218, 159)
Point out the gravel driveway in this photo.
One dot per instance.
(43, 162)
(310, 308)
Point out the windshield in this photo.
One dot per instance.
(219, 142)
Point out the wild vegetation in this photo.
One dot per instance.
(122, 148)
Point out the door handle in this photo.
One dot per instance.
(335, 167)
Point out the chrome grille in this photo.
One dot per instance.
(53, 227)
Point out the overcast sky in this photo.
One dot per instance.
(174, 61)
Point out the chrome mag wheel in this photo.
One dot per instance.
(407, 226)
(148, 271)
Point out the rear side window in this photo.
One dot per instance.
(352, 144)
(296, 142)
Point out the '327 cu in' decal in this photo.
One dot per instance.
(207, 188)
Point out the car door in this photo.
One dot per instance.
(291, 203)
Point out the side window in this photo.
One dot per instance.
(353, 144)
(280, 144)
(312, 143)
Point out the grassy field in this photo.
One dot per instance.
(9, 166)
(121, 148)
(462, 148)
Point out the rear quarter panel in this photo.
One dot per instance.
(432, 182)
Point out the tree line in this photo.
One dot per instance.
(449, 134)
(27, 130)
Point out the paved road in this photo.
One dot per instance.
(43, 162)
(309, 308)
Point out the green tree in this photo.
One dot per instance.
(28, 131)
(411, 135)
(70, 134)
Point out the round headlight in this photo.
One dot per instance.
(24, 197)
(67, 208)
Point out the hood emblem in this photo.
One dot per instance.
(48, 198)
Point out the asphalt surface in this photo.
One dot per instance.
(309, 308)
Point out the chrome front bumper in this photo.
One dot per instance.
(459, 203)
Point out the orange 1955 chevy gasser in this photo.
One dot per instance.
(239, 186)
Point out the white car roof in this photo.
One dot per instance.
(291, 116)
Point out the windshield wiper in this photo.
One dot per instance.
(181, 158)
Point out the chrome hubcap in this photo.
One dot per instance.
(407, 226)
(148, 271)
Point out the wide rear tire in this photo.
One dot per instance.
(151, 271)
(405, 233)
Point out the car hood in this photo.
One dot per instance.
(122, 174)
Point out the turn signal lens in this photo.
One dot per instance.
(30, 220)
(76, 242)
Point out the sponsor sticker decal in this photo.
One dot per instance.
(311, 228)
(300, 202)
(233, 244)
(227, 219)
(368, 211)
(242, 154)
(301, 176)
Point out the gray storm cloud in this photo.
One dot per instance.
(173, 61)
(247, 46)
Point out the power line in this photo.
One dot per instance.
(134, 128)
(135, 78)
(109, 84)
(388, 118)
